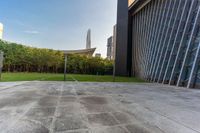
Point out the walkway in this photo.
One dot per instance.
(73, 107)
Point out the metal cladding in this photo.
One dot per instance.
(166, 41)
(1, 30)
(121, 62)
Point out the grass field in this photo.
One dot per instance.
(59, 77)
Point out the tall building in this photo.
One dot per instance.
(98, 55)
(88, 51)
(1, 30)
(159, 40)
(111, 45)
(88, 39)
(109, 48)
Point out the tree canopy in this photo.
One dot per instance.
(20, 58)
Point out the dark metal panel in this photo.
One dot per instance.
(122, 39)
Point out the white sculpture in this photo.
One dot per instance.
(1, 30)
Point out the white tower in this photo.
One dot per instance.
(88, 39)
(1, 30)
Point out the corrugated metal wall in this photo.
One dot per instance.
(166, 42)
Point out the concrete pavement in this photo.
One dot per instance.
(73, 107)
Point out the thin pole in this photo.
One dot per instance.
(1, 64)
(0, 73)
(65, 68)
(114, 71)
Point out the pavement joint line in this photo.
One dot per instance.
(175, 121)
(19, 117)
(76, 130)
(125, 112)
(6, 88)
(105, 127)
(37, 122)
(98, 113)
(119, 122)
(82, 113)
(52, 126)
(40, 117)
(72, 130)
(112, 126)
(121, 105)
(122, 125)
(171, 119)
(43, 107)
(160, 129)
(141, 122)
(74, 79)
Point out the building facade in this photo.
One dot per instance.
(162, 42)
(109, 48)
(111, 45)
(98, 55)
(88, 39)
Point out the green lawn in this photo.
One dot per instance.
(59, 77)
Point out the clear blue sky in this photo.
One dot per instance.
(58, 24)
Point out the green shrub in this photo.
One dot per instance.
(20, 58)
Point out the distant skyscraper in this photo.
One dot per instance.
(97, 55)
(88, 39)
(109, 47)
(1, 30)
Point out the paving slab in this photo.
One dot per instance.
(73, 107)
(5, 85)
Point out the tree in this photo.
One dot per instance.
(20, 58)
